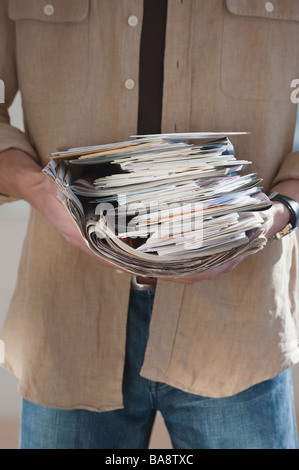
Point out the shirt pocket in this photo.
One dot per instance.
(51, 49)
(260, 54)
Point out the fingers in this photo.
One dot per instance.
(209, 274)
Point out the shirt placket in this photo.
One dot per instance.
(177, 67)
(129, 67)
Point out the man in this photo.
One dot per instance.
(96, 355)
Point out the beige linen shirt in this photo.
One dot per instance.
(228, 67)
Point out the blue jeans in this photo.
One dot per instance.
(261, 417)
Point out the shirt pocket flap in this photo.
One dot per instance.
(287, 10)
(55, 11)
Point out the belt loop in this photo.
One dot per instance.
(141, 287)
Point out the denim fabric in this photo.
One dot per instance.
(261, 417)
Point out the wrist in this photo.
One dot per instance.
(285, 214)
(281, 217)
(21, 177)
(18, 173)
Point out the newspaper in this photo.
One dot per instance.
(166, 205)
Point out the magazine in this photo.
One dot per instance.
(163, 205)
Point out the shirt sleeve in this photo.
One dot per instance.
(10, 136)
(289, 168)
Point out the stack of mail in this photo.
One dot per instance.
(167, 205)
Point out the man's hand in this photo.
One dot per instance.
(208, 274)
(44, 198)
(276, 218)
(21, 177)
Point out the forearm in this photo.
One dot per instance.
(288, 188)
(20, 177)
(279, 212)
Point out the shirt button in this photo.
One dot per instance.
(129, 84)
(269, 7)
(49, 10)
(133, 20)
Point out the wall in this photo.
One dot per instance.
(13, 223)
